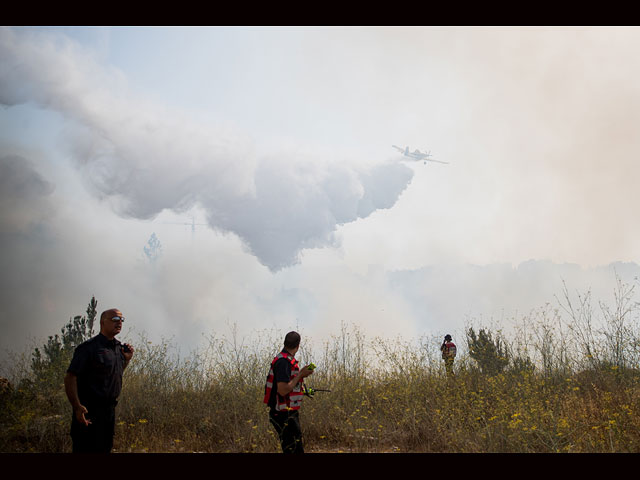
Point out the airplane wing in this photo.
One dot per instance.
(401, 150)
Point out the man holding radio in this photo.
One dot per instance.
(283, 394)
(93, 383)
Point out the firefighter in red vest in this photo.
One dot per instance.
(448, 350)
(284, 392)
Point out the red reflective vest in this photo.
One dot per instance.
(292, 400)
(448, 350)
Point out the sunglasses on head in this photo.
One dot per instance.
(117, 319)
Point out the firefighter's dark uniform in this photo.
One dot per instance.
(98, 364)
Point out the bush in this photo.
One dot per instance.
(490, 354)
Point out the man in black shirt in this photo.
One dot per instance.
(93, 383)
(284, 391)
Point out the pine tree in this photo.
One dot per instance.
(49, 364)
(91, 314)
(490, 354)
(153, 249)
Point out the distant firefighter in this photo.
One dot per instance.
(448, 350)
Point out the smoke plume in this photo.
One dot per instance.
(143, 158)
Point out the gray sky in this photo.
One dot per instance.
(277, 141)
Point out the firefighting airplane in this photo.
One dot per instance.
(417, 155)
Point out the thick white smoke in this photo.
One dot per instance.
(144, 158)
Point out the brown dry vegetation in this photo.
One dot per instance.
(567, 382)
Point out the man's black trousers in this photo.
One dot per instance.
(98, 436)
(287, 425)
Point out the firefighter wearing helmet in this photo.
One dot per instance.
(448, 350)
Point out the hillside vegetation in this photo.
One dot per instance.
(564, 380)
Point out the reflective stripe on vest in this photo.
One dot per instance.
(293, 400)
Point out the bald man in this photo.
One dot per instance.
(93, 383)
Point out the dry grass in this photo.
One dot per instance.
(168, 405)
(387, 396)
